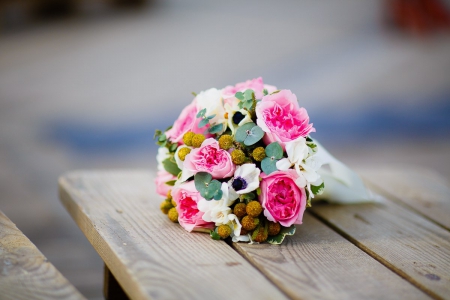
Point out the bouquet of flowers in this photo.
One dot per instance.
(238, 162)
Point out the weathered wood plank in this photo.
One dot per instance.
(422, 190)
(412, 246)
(318, 263)
(150, 256)
(25, 273)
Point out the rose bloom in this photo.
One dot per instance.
(281, 118)
(186, 197)
(161, 178)
(208, 158)
(187, 121)
(283, 201)
(256, 85)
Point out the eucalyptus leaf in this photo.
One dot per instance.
(173, 147)
(278, 239)
(248, 94)
(211, 190)
(162, 137)
(243, 131)
(269, 165)
(171, 166)
(216, 128)
(274, 150)
(203, 123)
(265, 92)
(201, 181)
(201, 113)
(218, 195)
(210, 117)
(256, 134)
(239, 95)
(247, 104)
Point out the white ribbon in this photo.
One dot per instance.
(342, 185)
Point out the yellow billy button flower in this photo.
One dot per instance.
(260, 234)
(225, 142)
(173, 215)
(183, 152)
(274, 228)
(165, 206)
(197, 140)
(224, 231)
(249, 223)
(238, 157)
(253, 208)
(239, 210)
(259, 154)
(187, 138)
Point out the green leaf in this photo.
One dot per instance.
(157, 133)
(243, 131)
(258, 191)
(201, 180)
(265, 92)
(247, 104)
(162, 137)
(216, 128)
(278, 239)
(239, 95)
(256, 134)
(269, 165)
(203, 123)
(171, 166)
(194, 94)
(275, 92)
(173, 147)
(317, 189)
(171, 182)
(218, 195)
(249, 196)
(248, 94)
(274, 150)
(211, 190)
(210, 117)
(201, 113)
(214, 235)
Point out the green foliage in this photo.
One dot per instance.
(249, 134)
(317, 190)
(208, 188)
(278, 239)
(171, 182)
(274, 153)
(247, 99)
(171, 166)
(265, 92)
(203, 123)
(201, 113)
(216, 128)
(214, 235)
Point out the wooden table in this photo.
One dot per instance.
(398, 248)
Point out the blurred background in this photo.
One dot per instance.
(84, 85)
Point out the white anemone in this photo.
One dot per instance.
(245, 180)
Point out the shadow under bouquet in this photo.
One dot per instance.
(239, 162)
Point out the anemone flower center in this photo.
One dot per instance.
(239, 183)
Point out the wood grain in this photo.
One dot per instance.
(422, 190)
(25, 272)
(409, 244)
(148, 255)
(318, 263)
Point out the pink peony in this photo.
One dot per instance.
(283, 201)
(186, 197)
(281, 118)
(187, 121)
(256, 85)
(161, 178)
(208, 158)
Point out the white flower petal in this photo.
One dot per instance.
(283, 164)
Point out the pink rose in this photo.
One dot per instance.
(161, 178)
(208, 158)
(281, 118)
(283, 201)
(187, 121)
(256, 85)
(186, 197)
